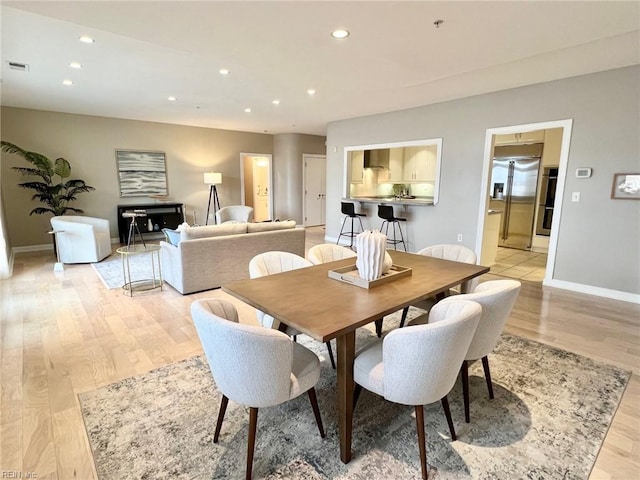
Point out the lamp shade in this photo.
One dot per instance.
(211, 178)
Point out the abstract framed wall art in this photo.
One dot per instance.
(141, 173)
(626, 186)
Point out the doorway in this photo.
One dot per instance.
(537, 262)
(256, 184)
(314, 189)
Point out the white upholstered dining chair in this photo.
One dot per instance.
(234, 213)
(418, 365)
(269, 263)
(253, 366)
(497, 298)
(81, 239)
(328, 252)
(456, 253)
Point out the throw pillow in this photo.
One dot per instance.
(172, 236)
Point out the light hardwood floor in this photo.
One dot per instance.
(63, 334)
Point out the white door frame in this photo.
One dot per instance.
(269, 158)
(305, 157)
(566, 125)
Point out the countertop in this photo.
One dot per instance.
(421, 201)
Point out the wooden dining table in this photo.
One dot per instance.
(325, 308)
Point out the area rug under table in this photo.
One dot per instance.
(551, 412)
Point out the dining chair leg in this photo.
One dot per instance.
(330, 350)
(253, 423)
(421, 439)
(223, 409)
(378, 327)
(405, 311)
(447, 413)
(357, 389)
(487, 375)
(316, 411)
(465, 389)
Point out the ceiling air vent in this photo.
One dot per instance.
(23, 67)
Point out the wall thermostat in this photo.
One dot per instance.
(583, 172)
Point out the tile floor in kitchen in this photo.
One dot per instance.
(520, 264)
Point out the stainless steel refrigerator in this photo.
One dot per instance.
(513, 190)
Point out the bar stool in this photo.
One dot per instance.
(348, 209)
(385, 212)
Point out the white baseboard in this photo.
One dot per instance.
(32, 248)
(591, 290)
(45, 247)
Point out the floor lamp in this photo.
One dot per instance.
(213, 179)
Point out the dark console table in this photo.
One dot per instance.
(161, 215)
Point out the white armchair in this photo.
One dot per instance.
(234, 213)
(328, 252)
(269, 263)
(418, 365)
(497, 298)
(456, 253)
(81, 239)
(253, 366)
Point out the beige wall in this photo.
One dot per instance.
(598, 237)
(288, 149)
(89, 143)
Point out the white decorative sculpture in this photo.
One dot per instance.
(372, 260)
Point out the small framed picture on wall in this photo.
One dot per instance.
(626, 186)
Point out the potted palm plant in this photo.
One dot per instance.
(52, 189)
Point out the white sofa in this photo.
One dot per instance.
(81, 239)
(208, 257)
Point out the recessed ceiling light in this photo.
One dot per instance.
(67, 82)
(224, 71)
(172, 99)
(340, 33)
(311, 91)
(76, 65)
(247, 110)
(276, 102)
(86, 39)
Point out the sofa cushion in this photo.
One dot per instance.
(268, 226)
(213, 231)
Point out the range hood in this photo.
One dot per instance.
(378, 158)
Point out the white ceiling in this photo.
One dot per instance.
(395, 58)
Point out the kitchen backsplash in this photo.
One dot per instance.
(371, 188)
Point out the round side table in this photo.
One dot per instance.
(130, 286)
(59, 266)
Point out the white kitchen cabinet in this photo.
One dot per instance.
(536, 136)
(420, 164)
(357, 166)
(393, 174)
